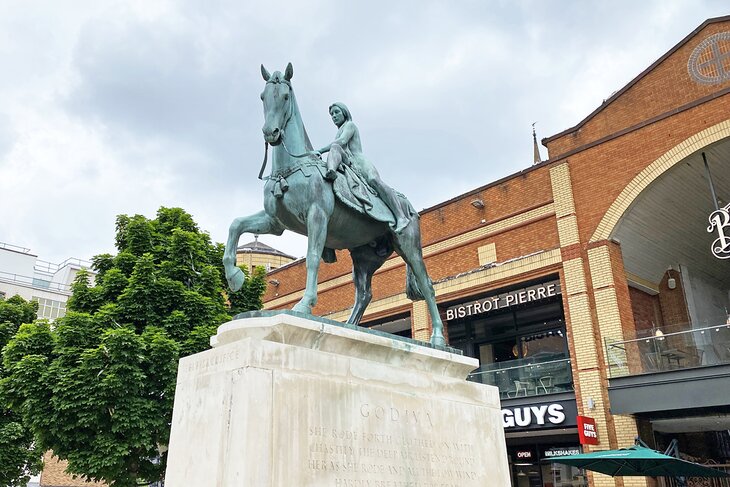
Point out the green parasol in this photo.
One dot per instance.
(639, 460)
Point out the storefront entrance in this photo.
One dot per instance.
(536, 431)
(529, 468)
(519, 336)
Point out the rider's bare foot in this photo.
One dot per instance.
(330, 175)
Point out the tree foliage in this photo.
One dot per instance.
(19, 456)
(97, 388)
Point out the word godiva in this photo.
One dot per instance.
(505, 300)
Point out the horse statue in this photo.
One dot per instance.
(297, 197)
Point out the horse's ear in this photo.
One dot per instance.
(289, 72)
(265, 73)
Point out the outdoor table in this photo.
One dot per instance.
(673, 354)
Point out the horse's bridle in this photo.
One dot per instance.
(283, 127)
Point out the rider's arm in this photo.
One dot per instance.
(348, 130)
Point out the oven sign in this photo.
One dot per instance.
(504, 300)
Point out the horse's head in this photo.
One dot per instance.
(277, 103)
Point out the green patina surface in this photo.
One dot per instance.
(409, 341)
(341, 205)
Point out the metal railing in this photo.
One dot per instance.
(663, 350)
(15, 248)
(699, 481)
(526, 377)
(51, 268)
(35, 283)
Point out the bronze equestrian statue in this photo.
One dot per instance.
(341, 204)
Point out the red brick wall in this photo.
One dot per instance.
(598, 174)
(502, 200)
(601, 173)
(666, 87)
(646, 309)
(673, 303)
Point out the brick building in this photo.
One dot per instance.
(258, 253)
(586, 284)
(54, 474)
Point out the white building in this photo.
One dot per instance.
(24, 274)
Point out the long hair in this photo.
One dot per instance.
(343, 107)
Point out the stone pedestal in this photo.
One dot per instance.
(286, 401)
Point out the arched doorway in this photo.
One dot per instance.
(677, 357)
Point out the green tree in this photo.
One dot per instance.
(19, 456)
(97, 388)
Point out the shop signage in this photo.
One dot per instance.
(720, 221)
(523, 455)
(561, 452)
(504, 300)
(587, 431)
(539, 416)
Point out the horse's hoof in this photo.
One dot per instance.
(236, 279)
(438, 340)
(302, 308)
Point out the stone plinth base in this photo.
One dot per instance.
(286, 401)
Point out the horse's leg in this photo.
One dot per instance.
(364, 264)
(258, 223)
(408, 246)
(317, 220)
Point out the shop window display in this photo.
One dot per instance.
(529, 468)
(522, 350)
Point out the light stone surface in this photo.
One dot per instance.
(285, 401)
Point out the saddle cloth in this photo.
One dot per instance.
(355, 193)
(351, 190)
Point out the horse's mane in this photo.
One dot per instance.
(295, 107)
(278, 77)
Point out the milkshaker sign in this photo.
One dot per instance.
(504, 300)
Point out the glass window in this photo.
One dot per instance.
(538, 315)
(546, 345)
(494, 327)
(41, 283)
(559, 475)
(397, 325)
(457, 333)
(50, 308)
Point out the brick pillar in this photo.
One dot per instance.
(584, 332)
(615, 323)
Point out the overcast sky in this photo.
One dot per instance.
(113, 107)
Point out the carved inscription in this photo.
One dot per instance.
(376, 457)
(210, 360)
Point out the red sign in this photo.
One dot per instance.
(587, 431)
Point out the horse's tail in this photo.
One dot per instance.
(413, 292)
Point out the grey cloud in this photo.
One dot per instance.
(446, 90)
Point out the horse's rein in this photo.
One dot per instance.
(281, 136)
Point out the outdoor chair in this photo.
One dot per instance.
(521, 387)
(546, 384)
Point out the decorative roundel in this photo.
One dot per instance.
(709, 63)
